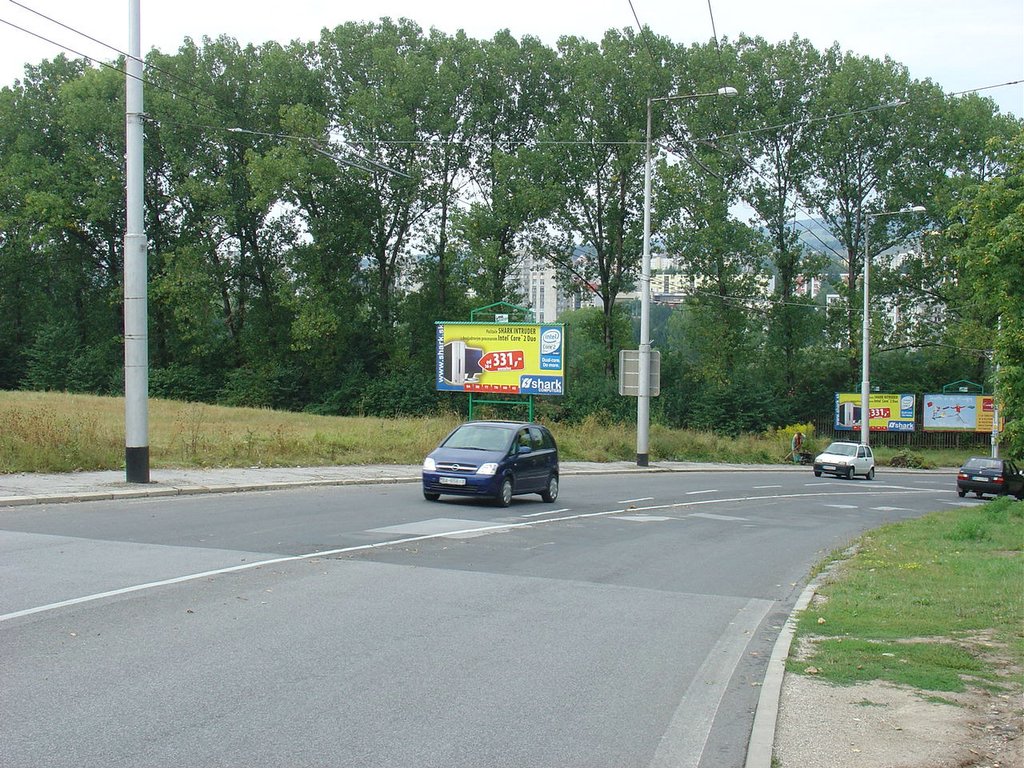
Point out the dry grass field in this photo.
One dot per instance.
(61, 432)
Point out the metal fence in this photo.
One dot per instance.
(969, 442)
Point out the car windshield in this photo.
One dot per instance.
(842, 449)
(478, 437)
(979, 463)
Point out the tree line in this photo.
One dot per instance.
(313, 208)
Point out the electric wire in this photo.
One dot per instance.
(710, 138)
(106, 65)
(360, 164)
(643, 33)
(718, 44)
(149, 66)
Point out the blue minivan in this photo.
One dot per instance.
(495, 460)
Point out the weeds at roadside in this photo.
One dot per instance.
(189, 430)
(39, 439)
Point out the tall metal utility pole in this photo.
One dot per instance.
(995, 395)
(865, 334)
(136, 321)
(643, 400)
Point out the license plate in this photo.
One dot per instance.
(453, 481)
(829, 467)
(980, 479)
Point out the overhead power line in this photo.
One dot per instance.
(359, 162)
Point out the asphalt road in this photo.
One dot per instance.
(627, 624)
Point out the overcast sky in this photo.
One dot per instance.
(959, 44)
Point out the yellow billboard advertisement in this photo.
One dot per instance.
(501, 358)
(888, 412)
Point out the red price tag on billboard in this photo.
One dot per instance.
(879, 413)
(503, 361)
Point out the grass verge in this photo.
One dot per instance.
(934, 603)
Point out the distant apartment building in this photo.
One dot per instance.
(538, 282)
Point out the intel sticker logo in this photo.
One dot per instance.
(550, 341)
(907, 406)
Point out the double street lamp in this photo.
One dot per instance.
(865, 384)
(643, 401)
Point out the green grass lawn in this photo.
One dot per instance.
(926, 603)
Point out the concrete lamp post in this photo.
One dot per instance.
(865, 384)
(643, 401)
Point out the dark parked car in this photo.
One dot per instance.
(493, 459)
(996, 477)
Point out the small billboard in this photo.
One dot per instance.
(958, 412)
(887, 412)
(501, 358)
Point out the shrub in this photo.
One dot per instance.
(398, 394)
(183, 382)
(905, 459)
(265, 386)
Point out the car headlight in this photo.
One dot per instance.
(429, 465)
(487, 469)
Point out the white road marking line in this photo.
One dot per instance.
(764, 487)
(684, 740)
(842, 506)
(632, 501)
(547, 512)
(728, 518)
(396, 542)
(695, 493)
(643, 518)
(434, 525)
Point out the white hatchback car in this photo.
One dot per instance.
(844, 459)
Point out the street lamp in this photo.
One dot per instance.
(643, 401)
(865, 384)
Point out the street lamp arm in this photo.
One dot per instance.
(725, 90)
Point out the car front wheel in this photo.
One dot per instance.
(430, 496)
(817, 473)
(505, 494)
(552, 492)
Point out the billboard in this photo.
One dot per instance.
(958, 413)
(501, 358)
(888, 412)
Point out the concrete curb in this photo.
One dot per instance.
(762, 735)
(190, 490)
